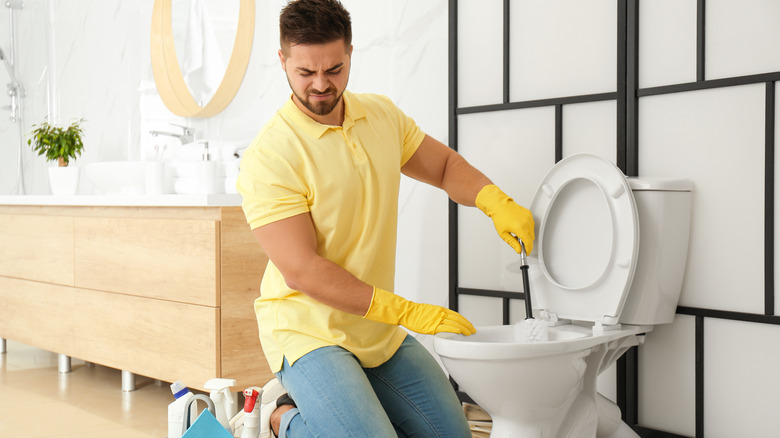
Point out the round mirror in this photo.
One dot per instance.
(203, 33)
(186, 97)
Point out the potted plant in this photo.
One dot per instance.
(61, 145)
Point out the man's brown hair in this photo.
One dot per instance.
(314, 22)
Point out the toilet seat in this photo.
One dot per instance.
(587, 240)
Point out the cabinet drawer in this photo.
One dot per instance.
(161, 339)
(37, 248)
(175, 260)
(38, 314)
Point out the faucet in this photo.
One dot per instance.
(187, 135)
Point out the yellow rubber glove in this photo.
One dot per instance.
(508, 217)
(422, 318)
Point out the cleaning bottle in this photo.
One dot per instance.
(176, 409)
(252, 404)
(224, 401)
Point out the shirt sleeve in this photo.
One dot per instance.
(411, 135)
(270, 189)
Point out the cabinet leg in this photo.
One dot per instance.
(128, 381)
(3, 346)
(63, 364)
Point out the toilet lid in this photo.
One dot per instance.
(587, 240)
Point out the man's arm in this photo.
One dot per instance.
(292, 246)
(436, 164)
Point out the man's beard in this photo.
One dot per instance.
(322, 108)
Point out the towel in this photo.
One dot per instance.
(206, 426)
(203, 66)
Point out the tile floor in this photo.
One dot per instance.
(36, 401)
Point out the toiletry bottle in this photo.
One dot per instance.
(224, 401)
(252, 412)
(176, 409)
(206, 172)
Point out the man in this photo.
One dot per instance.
(320, 191)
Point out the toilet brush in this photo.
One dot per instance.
(535, 329)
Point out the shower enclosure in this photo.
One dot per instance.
(15, 94)
(25, 52)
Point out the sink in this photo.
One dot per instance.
(117, 177)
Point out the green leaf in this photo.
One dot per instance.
(56, 142)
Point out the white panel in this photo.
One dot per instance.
(743, 37)
(667, 42)
(562, 48)
(741, 379)
(481, 311)
(590, 128)
(515, 149)
(716, 139)
(777, 195)
(667, 392)
(480, 52)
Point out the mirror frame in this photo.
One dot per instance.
(169, 78)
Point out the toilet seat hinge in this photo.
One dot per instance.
(607, 323)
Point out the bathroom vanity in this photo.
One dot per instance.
(160, 286)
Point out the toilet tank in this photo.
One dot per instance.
(664, 210)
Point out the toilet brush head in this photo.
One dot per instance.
(536, 330)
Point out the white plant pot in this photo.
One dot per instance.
(63, 180)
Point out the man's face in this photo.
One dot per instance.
(318, 75)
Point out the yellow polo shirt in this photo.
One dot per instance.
(347, 178)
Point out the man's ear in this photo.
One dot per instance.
(283, 60)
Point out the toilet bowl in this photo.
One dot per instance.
(598, 290)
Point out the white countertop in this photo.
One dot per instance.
(202, 200)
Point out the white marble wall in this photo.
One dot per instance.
(100, 68)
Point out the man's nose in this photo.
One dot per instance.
(320, 82)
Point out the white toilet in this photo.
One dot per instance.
(597, 287)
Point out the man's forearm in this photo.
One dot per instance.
(462, 181)
(333, 285)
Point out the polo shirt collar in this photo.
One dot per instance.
(353, 111)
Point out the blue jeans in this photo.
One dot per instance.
(407, 396)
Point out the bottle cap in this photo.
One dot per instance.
(250, 396)
(178, 389)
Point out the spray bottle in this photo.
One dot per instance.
(253, 397)
(225, 403)
(176, 409)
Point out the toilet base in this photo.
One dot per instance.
(585, 419)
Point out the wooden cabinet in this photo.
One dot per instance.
(164, 292)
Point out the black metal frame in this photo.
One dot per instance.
(627, 97)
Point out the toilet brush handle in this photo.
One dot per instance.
(527, 290)
(526, 284)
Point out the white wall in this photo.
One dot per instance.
(715, 137)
